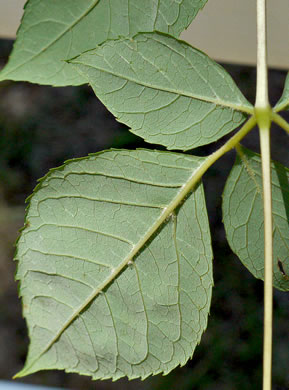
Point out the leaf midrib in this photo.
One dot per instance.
(218, 102)
(167, 212)
(78, 20)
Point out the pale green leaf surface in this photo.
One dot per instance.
(166, 91)
(283, 103)
(53, 31)
(113, 284)
(244, 220)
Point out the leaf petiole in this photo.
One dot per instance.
(280, 121)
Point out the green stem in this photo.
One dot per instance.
(264, 114)
(268, 250)
(280, 121)
(230, 144)
(262, 100)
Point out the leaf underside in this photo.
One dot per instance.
(244, 220)
(283, 103)
(166, 91)
(53, 31)
(84, 223)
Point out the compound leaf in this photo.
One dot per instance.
(115, 265)
(244, 220)
(53, 31)
(283, 103)
(166, 91)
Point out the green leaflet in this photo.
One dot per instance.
(115, 265)
(164, 90)
(283, 103)
(244, 220)
(53, 31)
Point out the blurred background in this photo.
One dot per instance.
(40, 127)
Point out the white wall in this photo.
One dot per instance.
(10, 15)
(225, 29)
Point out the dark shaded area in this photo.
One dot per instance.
(40, 127)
